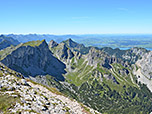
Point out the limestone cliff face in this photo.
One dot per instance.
(133, 58)
(134, 54)
(62, 52)
(145, 64)
(52, 44)
(35, 60)
(143, 67)
(130, 55)
(95, 57)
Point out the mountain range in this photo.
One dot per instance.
(123, 41)
(105, 79)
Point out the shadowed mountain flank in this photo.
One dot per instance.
(35, 58)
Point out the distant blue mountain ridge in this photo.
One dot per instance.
(122, 41)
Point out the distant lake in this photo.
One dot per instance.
(129, 48)
(124, 48)
(149, 49)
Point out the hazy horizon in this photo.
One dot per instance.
(76, 34)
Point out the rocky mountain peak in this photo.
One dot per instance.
(35, 58)
(52, 44)
(76, 46)
(70, 40)
(63, 52)
(43, 44)
(97, 56)
(70, 43)
(139, 51)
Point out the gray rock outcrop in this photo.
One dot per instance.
(52, 44)
(95, 57)
(143, 69)
(35, 60)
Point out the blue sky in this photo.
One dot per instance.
(75, 16)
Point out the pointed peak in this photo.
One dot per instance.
(43, 42)
(52, 44)
(70, 40)
(52, 41)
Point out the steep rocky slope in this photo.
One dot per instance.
(143, 69)
(140, 59)
(130, 55)
(102, 81)
(34, 58)
(18, 95)
(76, 46)
(52, 44)
(62, 52)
